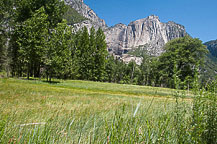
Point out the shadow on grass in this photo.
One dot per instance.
(25, 78)
(42, 80)
(50, 82)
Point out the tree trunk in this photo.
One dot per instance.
(132, 74)
(47, 77)
(28, 74)
(50, 77)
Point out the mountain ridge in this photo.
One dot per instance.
(92, 19)
(149, 32)
(146, 31)
(121, 38)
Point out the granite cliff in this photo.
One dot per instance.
(87, 12)
(149, 32)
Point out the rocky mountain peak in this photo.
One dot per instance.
(148, 32)
(87, 12)
(120, 26)
(152, 17)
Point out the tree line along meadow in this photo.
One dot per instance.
(37, 42)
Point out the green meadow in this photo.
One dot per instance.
(34, 111)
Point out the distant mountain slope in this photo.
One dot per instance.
(91, 17)
(72, 16)
(212, 47)
(210, 68)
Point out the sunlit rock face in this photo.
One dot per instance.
(86, 11)
(148, 31)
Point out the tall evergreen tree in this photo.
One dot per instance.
(119, 71)
(32, 39)
(25, 10)
(110, 69)
(58, 58)
(83, 54)
(6, 13)
(55, 10)
(3, 40)
(145, 68)
(75, 55)
(92, 54)
(101, 55)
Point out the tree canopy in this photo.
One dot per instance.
(182, 57)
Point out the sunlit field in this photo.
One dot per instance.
(90, 112)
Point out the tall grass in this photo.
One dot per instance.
(204, 116)
(133, 120)
(118, 127)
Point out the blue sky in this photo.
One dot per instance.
(198, 16)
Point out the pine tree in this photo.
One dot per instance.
(6, 13)
(2, 50)
(32, 39)
(24, 10)
(145, 68)
(83, 55)
(55, 10)
(110, 69)
(101, 55)
(75, 55)
(92, 54)
(58, 58)
(119, 71)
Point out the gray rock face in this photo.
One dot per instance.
(86, 11)
(148, 31)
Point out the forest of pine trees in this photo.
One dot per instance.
(35, 41)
